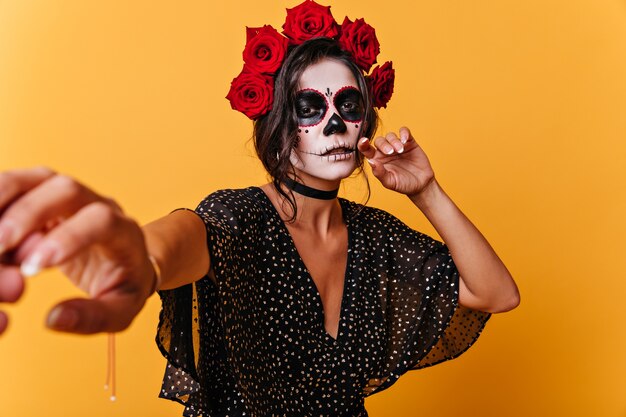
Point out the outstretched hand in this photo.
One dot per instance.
(398, 162)
(49, 220)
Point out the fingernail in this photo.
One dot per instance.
(31, 266)
(62, 318)
(46, 254)
(403, 139)
(369, 161)
(401, 149)
(389, 150)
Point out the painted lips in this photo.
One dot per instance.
(338, 151)
(338, 154)
(334, 153)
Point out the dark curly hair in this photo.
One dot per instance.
(275, 134)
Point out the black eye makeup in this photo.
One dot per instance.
(311, 107)
(349, 103)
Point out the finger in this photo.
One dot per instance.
(405, 135)
(113, 313)
(394, 141)
(383, 145)
(11, 284)
(27, 246)
(379, 170)
(4, 321)
(58, 197)
(97, 222)
(365, 147)
(18, 181)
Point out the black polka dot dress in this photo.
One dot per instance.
(255, 343)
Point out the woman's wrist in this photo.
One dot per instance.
(157, 277)
(428, 196)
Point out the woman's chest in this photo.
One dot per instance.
(325, 261)
(285, 313)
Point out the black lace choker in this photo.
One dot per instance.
(310, 192)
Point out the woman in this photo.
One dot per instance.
(302, 303)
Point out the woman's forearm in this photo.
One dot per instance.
(178, 244)
(486, 284)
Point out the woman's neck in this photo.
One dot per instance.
(317, 215)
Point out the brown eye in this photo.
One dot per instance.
(306, 112)
(310, 107)
(349, 107)
(349, 103)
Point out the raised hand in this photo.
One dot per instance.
(48, 219)
(398, 162)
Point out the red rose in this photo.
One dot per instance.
(381, 84)
(265, 49)
(251, 93)
(359, 39)
(309, 20)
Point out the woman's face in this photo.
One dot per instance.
(330, 110)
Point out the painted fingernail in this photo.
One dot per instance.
(389, 150)
(34, 263)
(62, 318)
(401, 149)
(31, 266)
(46, 254)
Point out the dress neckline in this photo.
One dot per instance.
(310, 282)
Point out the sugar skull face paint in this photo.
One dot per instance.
(311, 107)
(349, 102)
(330, 110)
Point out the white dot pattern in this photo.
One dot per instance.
(255, 343)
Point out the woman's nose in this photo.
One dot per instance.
(335, 125)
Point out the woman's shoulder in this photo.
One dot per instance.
(376, 223)
(357, 212)
(234, 196)
(233, 201)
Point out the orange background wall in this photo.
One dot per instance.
(521, 107)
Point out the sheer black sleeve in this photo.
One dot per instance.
(419, 290)
(190, 323)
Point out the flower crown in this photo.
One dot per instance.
(252, 91)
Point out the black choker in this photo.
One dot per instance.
(310, 192)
